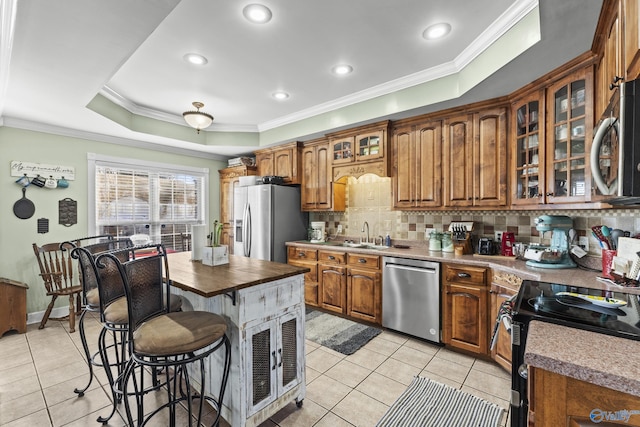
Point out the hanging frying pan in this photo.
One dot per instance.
(24, 208)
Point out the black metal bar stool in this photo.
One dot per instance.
(105, 291)
(159, 338)
(90, 298)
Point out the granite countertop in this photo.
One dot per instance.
(239, 273)
(419, 250)
(604, 360)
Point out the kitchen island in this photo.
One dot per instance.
(263, 303)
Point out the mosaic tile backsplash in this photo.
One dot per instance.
(369, 199)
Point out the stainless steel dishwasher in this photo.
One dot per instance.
(411, 297)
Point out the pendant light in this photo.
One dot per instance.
(198, 119)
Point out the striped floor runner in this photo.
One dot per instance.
(427, 403)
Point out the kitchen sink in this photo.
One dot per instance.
(351, 245)
(354, 245)
(377, 247)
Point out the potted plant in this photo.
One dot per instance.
(216, 254)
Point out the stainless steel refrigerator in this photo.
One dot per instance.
(265, 217)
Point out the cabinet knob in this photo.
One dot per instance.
(301, 255)
(331, 257)
(362, 261)
(464, 275)
(549, 194)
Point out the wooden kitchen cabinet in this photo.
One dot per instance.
(306, 258)
(475, 159)
(557, 400)
(318, 192)
(332, 274)
(552, 129)
(282, 160)
(503, 287)
(229, 179)
(569, 135)
(528, 153)
(465, 308)
(364, 287)
(416, 153)
(361, 150)
(347, 283)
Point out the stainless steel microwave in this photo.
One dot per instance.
(615, 152)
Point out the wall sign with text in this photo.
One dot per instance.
(32, 170)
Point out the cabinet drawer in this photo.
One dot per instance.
(465, 274)
(363, 260)
(302, 254)
(329, 257)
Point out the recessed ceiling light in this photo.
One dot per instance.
(436, 31)
(257, 13)
(194, 58)
(280, 95)
(342, 69)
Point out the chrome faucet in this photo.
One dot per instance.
(366, 224)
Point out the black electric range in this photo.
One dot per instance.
(615, 313)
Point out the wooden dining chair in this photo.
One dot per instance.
(59, 273)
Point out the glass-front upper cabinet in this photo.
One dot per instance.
(569, 139)
(343, 151)
(528, 114)
(369, 146)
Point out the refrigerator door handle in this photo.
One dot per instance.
(246, 230)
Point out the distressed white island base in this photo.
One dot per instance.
(265, 320)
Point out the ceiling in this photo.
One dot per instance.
(114, 71)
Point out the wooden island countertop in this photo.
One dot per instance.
(240, 272)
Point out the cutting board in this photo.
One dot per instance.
(627, 250)
(628, 247)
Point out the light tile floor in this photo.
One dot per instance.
(40, 369)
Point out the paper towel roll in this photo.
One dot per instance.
(198, 240)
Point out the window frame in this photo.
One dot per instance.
(94, 160)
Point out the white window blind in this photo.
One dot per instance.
(148, 199)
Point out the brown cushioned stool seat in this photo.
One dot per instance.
(178, 333)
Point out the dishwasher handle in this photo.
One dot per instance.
(429, 270)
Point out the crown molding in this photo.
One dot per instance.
(91, 136)
(134, 108)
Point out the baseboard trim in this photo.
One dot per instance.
(38, 315)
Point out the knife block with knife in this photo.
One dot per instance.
(461, 235)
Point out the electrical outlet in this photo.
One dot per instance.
(498, 236)
(339, 228)
(583, 242)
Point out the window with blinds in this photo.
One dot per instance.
(144, 200)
